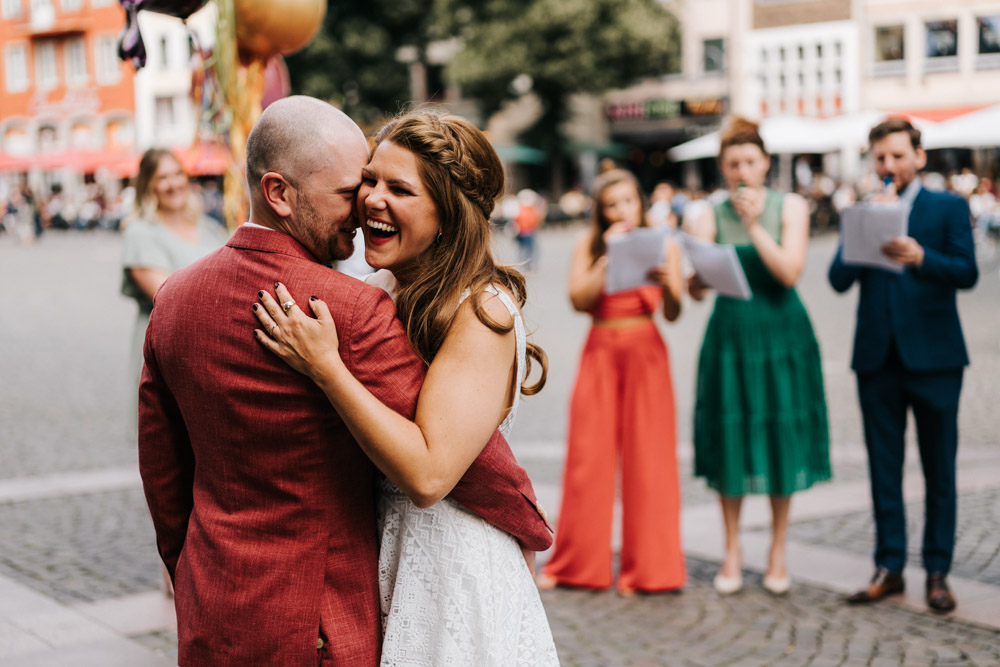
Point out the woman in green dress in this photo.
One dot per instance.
(760, 422)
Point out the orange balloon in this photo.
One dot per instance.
(266, 28)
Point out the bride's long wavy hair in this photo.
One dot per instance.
(464, 177)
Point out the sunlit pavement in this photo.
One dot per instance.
(79, 578)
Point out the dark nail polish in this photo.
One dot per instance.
(255, 308)
(312, 298)
(260, 294)
(276, 285)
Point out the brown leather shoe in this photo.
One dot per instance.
(939, 596)
(883, 584)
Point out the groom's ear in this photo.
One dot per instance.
(277, 193)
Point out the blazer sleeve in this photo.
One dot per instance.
(166, 460)
(494, 487)
(497, 488)
(955, 264)
(842, 276)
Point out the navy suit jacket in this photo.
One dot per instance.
(916, 308)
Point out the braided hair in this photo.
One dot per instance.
(464, 177)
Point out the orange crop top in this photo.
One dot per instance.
(631, 303)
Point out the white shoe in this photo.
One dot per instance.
(727, 585)
(777, 585)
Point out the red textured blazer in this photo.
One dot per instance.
(262, 502)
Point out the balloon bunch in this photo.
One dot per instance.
(130, 45)
(243, 71)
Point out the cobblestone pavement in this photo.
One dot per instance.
(81, 548)
(811, 626)
(63, 385)
(696, 628)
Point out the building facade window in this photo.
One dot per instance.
(71, 5)
(76, 61)
(889, 44)
(889, 51)
(11, 9)
(989, 42)
(942, 46)
(713, 55)
(106, 60)
(989, 34)
(164, 112)
(46, 71)
(15, 60)
(942, 39)
(164, 53)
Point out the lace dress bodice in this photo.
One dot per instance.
(455, 590)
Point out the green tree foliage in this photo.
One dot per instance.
(565, 46)
(353, 60)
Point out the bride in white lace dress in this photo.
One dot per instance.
(454, 589)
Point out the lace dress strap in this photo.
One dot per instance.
(520, 339)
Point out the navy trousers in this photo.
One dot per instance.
(885, 396)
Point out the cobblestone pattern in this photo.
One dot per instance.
(977, 550)
(810, 626)
(697, 628)
(80, 549)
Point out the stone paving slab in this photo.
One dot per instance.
(977, 549)
(36, 631)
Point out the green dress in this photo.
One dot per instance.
(760, 422)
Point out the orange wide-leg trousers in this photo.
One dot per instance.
(622, 414)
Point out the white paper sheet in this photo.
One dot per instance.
(865, 228)
(632, 255)
(717, 266)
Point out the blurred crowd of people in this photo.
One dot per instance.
(27, 214)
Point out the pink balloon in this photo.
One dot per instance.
(276, 81)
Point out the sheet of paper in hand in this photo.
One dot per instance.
(632, 255)
(865, 228)
(717, 266)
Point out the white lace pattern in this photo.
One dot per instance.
(455, 590)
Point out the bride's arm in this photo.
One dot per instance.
(462, 400)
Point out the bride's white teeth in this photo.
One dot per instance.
(381, 226)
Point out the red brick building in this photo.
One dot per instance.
(68, 102)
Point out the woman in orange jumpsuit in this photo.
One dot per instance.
(622, 413)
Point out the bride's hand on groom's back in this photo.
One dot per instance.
(307, 344)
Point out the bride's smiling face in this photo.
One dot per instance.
(398, 216)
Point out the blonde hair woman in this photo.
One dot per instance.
(168, 233)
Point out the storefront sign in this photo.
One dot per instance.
(662, 109)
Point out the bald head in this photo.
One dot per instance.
(291, 132)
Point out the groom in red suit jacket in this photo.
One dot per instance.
(262, 502)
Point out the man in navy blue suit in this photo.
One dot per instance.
(909, 353)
